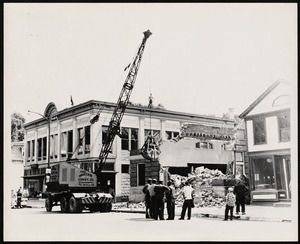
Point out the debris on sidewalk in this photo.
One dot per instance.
(201, 180)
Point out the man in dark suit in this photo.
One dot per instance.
(239, 191)
(147, 198)
(159, 190)
(170, 196)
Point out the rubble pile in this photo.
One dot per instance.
(201, 180)
(130, 205)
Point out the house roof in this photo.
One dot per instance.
(261, 97)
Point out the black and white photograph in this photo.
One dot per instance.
(150, 122)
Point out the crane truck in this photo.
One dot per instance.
(77, 189)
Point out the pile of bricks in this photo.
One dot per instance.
(201, 180)
(130, 205)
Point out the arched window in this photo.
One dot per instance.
(281, 100)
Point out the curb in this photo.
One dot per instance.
(201, 215)
(127, 211)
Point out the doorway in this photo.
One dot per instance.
(283, 176)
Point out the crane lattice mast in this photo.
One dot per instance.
(114, 124)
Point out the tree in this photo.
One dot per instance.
(17, 127)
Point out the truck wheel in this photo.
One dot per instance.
(64, 207)
(48, 204)
(75, 205)
(79, 206)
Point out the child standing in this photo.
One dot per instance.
(230, 202)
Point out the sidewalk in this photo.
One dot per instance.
(253, 212)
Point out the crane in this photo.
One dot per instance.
(115, 121)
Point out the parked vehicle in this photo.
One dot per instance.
(75, 189)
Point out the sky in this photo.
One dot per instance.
(201, 58)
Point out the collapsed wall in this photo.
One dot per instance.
(209, 185)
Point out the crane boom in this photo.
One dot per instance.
(114, 124)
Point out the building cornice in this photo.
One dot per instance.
(130, 110)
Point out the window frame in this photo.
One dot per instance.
(279, 117)
(128, 138)
(125, 168)
(256, 133)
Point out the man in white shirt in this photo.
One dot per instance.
(188, 193)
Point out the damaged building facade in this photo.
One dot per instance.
(68, 135)
(212, 143)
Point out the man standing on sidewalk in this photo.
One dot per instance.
(147, 198)
(170, 195)
(159, 190)
(239, 191)
(152, 198)
(188, 203)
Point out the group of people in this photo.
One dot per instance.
(16, 202)
(235, 196)
(157, 194)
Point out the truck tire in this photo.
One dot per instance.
(75, 205)
(64, 206)
(49, 204)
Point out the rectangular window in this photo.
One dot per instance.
(70, 142)
(87, 139)
(263, 173)
(125, 138)
(44, 143)
(105, 136)
(284, 127)
(125, 169)
(40, 146)
(204, 145)
(259, 130)
(171, 135)
(132, 143)
(134, 139)
(80, 140)
(33, 148)
(28, 152)
(53, 146)
(141, 174)
(63, 144)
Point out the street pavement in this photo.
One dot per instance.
(35, 224)
(253, 212)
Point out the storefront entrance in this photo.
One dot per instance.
(272, 172)
(283, 176)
